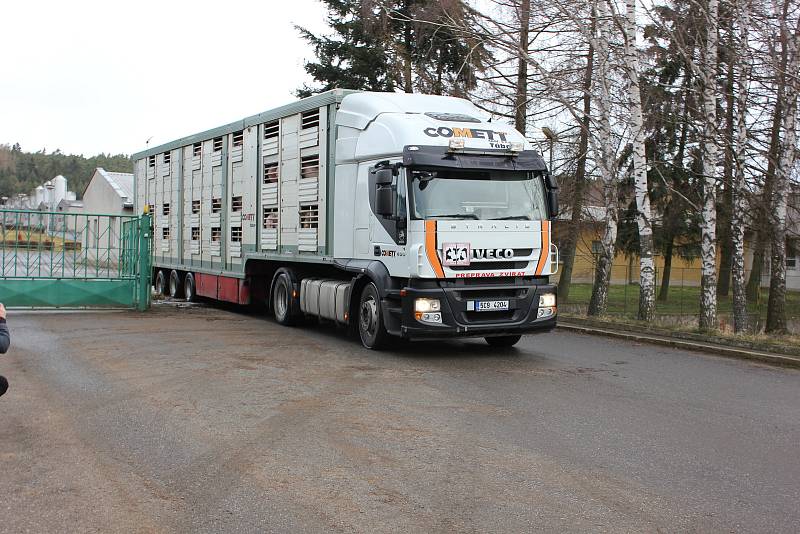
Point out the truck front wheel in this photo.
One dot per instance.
(503, 341)
(370, 319)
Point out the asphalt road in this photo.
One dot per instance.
(203, 420)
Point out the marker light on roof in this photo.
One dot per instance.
(413, 148)
(516, 146)
(456, 144)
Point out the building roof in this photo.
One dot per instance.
(120, 182)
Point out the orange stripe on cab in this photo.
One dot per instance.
(545, 254)
(430, 248)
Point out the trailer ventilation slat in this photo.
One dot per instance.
(271, 172)
(309, 216)
(309, 166)
(236, 203)
(310, 119)
(272, 130)
(270, 219)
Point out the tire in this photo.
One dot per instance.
(282, 300)
(188, 288)
(503, 341)
(160, 284)
(175, 288)
(371, 330)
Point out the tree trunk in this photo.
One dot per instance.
(739, 205)
(708, 225)
(605, 160)
(762, 211)
(573, 231)
(521, 98)
(724, 239)
(776, 306)
(643, 216)
(663, 293)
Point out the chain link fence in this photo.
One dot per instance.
(677, 295)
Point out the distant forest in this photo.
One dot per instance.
(21, 172)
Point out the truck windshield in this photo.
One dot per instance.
(479, 195)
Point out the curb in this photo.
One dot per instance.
(710, 348)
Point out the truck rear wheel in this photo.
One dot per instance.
(160, 284)
(371, 330)
(174, 284)
(503, 341)
(282, 300)
(188, 287)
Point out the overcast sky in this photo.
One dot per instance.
(90, 77)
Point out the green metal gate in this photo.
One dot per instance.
(74, 260)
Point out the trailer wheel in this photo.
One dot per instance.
(160, 284)
(503, 341)
(188, 287)
(370, 319)
(174, 284)
(282, 300)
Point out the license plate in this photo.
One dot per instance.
(487, 305)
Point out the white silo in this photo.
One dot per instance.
(48, 193)
(38, 196)
(59, 191)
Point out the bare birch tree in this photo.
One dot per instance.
(708, 221)
(740, 156)
(776, 310)
(598, 302)
(647, 281)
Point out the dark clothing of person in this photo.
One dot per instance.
(5, 337)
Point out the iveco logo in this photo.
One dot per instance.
(492, 253)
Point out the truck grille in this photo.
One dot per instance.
(491, 266)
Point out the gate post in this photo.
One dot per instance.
(145, 268)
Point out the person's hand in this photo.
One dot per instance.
(2, 311)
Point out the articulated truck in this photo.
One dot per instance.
(390, 214)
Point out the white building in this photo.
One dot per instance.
(107, 193)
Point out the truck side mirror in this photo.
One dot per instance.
(383, 177)
(552, 203)
(384, 201)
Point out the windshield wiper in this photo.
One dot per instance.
(512, 218)
(456, 215)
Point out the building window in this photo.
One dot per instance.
(165, 209)
(271, 173)
(195, 206)
(272, 130)
(216, 233)
(197, 150)
(217, 144)
(597, 247)
(309, 216)
(236, 204)
(166, 158)
(309, 166)
(310, 119)
(270, 218)
(151, 161)
(216, 205)
(791, 255)
(238, 139)
(236, 234)
(165, 233)
(195, 233)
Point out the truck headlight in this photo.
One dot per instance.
(547, 300)
(427, 305)
(547, 305)
(428, 310)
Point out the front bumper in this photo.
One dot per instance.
(458, 320)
